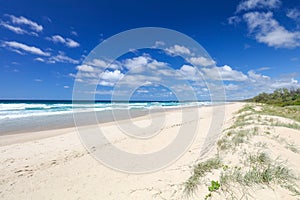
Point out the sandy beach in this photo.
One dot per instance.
(54, 164)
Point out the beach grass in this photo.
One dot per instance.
(200, 170)
(254, 167)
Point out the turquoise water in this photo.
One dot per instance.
(27, 108)
(34, 115)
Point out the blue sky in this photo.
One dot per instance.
(254, 45)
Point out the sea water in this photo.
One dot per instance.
(35, 115)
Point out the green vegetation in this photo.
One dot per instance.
(260, 169)
(200, 170)
(291, 112)
(236, 179)
(235, 138)
(280, 97)
(215, 185)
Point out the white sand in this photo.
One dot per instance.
(54, 164)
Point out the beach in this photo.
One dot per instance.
(54, 164)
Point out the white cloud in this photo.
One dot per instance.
(24, 21)
(159, 44)
(40, 59)
(257, 4)
(62, 58)
(71, 43)
(201, 61)
(225, 73)
(231, 87)
(293, 14)
(267, 30)
(85, 68)
(136, 64)
(140, 79)
(66, 41)
(74, 33)
(20, 47)
(234, 20)
(141, 63)
(95, 75)
(16, 29)
(258, 83)
(188, 70)
(66, 86)
(285, 83)
(112, 76)
(254, 77)
(178, 50)
(263, 69)
(142, 91)
(105, 64)
(189, 73)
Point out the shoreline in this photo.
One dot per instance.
(28, 134)
(65, 121)
(56, 164)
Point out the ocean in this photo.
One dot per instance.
(18, 116)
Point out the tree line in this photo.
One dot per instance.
(280, 97)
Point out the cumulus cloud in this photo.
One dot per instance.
(159, 44)
(104, 64)
(141, 63)
(255, 77)
(85, 68)
(231, 87)
(21, 48)
(285, 83)
(66, 41)
(112, 76)
(225, 73)
(258, 83)
(201, 61)
(137, 64)
(97, 75)
(263, 26)
(178, 50)
(257, 4)
(267, 30)
(188, 72)
(99, 71)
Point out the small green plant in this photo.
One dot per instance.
(215, 185)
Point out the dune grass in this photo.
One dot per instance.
(200, 170)
(260, 169)
(254, 168)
